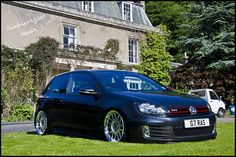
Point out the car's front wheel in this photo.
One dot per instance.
(221, 112)
(114, 127)
(41, 123)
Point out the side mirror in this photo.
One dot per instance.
(88, 92)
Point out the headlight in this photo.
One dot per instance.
(152, 109)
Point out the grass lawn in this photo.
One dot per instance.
(31, 144)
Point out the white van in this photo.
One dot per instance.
(217, 105)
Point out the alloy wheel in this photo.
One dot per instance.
(114, 128)
(41, 123)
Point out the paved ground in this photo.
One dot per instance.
(228, 119)
(17, 127)
(29, 127)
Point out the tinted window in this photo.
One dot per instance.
(80, 81)
(59, 84)
(213, 95)
(124, 81)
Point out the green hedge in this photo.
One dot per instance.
(21, 112)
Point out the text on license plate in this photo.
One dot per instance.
(193, 123)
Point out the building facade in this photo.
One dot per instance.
(92, 34)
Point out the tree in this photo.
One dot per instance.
(172, 14)
(210, 37)
(155, 59)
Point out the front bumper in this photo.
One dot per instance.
(170, 129)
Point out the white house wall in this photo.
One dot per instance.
(22, 26)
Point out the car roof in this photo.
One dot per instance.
(91, 71)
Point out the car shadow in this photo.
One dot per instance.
(69, 134)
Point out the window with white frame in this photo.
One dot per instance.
(87, 5)
(133, 50)
(69, 36)
(127, 11)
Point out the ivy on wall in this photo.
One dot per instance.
(43, 54)
(83, 53)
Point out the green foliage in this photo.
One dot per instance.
(21, 112)
(13, 58)
(23, 73)
(43, 54)
(3, 98)
(82, 52)
(16, 78)
(211, 32)
(155, 60)
(111, 48)
(172, 14)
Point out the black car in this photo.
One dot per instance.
(121, 106)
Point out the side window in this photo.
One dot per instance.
(80, 81)
(213, 95)
(59, 84)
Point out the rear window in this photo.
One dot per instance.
(58, 84)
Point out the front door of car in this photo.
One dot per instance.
(214, 101)
(82, 110)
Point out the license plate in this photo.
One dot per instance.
(195, 123)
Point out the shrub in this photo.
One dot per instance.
(16, 79)
(21, 112)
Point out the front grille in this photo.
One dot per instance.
(175, 111)
(172, 132)
(160, 132)
(180, 131)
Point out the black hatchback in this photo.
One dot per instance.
(121, 106)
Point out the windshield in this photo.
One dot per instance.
(127, 81)
(199, 93)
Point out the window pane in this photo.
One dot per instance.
(81, 81)
(66, 30)
(65, 41)
(72, 31)
(133, 50)
(213, 95)
(59, 84)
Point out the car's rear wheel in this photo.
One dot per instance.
(114, 127)
(41, 123)
(221, 112)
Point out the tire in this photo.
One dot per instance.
(221, 113)
(41, 123)
(114, 129)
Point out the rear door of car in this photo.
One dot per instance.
(53, 99)
(83, 111)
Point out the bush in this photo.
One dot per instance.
(21, 112)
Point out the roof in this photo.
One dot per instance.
(105, 12)
(108, 8)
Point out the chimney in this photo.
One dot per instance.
(143, 4)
